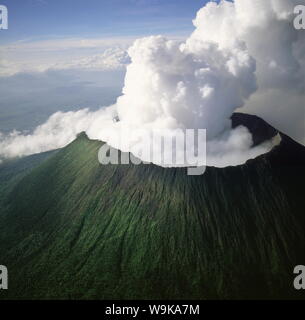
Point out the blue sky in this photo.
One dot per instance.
(42, 19)
(52, 56)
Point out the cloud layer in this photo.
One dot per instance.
(113, 58)
(239, 53)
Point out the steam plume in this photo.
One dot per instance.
(238, 51)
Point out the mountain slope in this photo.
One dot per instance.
(73, 228)
(11, 171)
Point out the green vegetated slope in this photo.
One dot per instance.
(11, 171)
(73, 228)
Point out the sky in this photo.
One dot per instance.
(71, 54)
(67, 55)
(48, 32)
(33, 20)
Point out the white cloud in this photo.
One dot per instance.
(60, 129)
(237, 50)
(66, 44)
(38, 56)
(110, 59)
(63, 54)
(266, 28)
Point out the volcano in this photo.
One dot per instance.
(71, 228)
